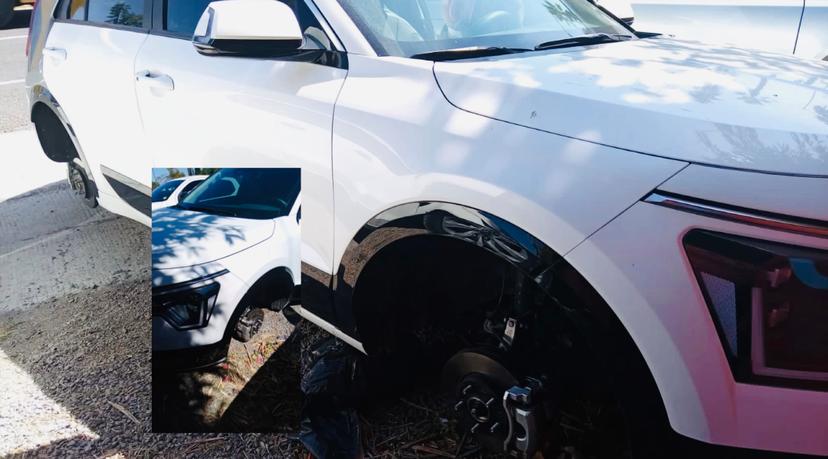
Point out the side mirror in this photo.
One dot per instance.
(622, 9)
(247, 28)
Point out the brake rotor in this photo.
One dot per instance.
(79, 183)
(478, 381)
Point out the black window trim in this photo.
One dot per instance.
(62, 11)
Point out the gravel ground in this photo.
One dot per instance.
(257, 390)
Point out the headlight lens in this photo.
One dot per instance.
(770, 304)
(188, 307)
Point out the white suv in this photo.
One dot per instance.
(223, 254)
(610, 242)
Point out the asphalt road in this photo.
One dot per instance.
(71, 277)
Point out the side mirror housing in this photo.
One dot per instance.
(622, 9)
(248, 28)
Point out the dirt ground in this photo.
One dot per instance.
(257, 390)
(75, 354)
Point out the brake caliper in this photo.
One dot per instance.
(524, 414)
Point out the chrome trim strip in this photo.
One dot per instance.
(797, 225)
(321, 323)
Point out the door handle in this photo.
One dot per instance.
(154, 80)
(55, 53)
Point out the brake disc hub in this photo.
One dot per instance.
(502, 415)
(80, 185)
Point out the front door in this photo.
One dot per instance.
(217, 111)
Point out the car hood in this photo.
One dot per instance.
(682, 100)
(182, 238)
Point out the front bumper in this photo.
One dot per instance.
(638, 264)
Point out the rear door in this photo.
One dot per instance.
(218, 111)
(88, 65)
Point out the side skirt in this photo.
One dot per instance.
(133, 193)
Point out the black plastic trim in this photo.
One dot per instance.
(172, 288)
(135, 198)
(40, 94)
(441, 219)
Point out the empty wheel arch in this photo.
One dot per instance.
(55, 140)
(424, 266)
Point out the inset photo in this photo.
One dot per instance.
(226, 260)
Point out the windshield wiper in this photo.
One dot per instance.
(467, 53)
(581, 40)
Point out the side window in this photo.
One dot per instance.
(119, 12)
(188, 188)
(181, 16)
(77, 10)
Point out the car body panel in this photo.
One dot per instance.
(663, 309)
(395, 132)
(247, 112)
(101, 104)
(253, 247)
(727, 108)
(182, 238)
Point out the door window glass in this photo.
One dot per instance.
(77, 10)
(314, 36)
(181, 16)
(119, 12)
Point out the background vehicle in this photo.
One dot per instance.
(783, 26)
(171, 192)
(226, 251)
(528, 201)
(7, 10)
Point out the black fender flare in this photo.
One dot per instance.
(627, 370)
(40, 95)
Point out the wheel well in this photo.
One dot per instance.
(276, 284)
(56, 143)
(419, 281)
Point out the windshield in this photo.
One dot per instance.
(411, 27)
(163, 192)
(246, 193)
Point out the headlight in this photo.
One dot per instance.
(186, 307)
(770, 305)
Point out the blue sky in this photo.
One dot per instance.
(160, 174)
